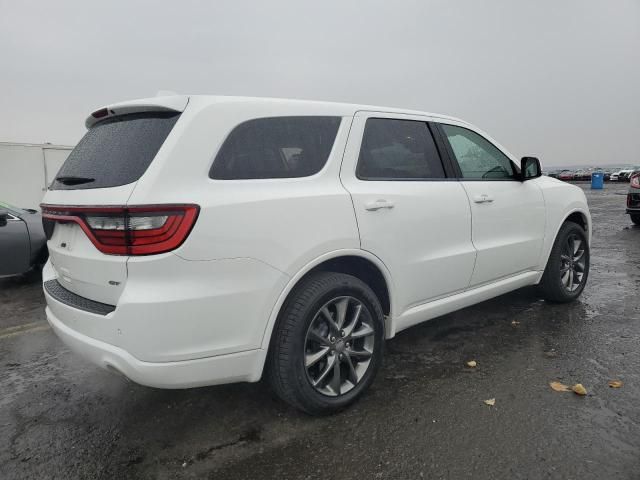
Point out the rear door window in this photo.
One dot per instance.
(394, 149)
(115, 151)
(276, 147)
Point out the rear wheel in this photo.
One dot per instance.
(567, 269)
(635, 218)
(327, 344)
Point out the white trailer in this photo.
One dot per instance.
(26, 169)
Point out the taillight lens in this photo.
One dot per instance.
(635, 181)
(135, 230)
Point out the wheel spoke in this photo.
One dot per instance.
(564, 269)
(313, 358)
(336, 381)
(364, 331)
(327, 316)
(579, 267)
(313, 335)
(359, 354)
(348, 329)
(353, 375)
(332, 361)
(576, 245)
(578, 256)
(341, 311)
(570, 280)
(565, 277)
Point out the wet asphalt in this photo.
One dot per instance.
(424, 417)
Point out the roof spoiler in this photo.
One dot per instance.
(174, 103)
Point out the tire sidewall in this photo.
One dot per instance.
(554, 264)
(353, 287)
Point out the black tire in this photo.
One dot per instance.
(551, 286)
(286, 370)
(635, 218)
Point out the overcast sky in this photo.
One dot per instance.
(558, 79)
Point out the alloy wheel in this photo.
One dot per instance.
(574, 261)
(339, 346)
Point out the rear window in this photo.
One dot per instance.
(276, 147)
(116, 151)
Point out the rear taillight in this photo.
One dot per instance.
(635, 181)
(135, 230)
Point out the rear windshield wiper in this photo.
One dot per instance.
(73, 180)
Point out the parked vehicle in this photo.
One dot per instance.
(204, 240)
(582, 175)
(566, 175)
(626, 175)
(633, 197)
(22, 240)
(621, 176)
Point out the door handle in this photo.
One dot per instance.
(483, 198)
(378, 204)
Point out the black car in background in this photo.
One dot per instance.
(633, 197)
(23, 244)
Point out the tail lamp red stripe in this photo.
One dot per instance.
(126, 236)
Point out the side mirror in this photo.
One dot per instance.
(530, 168)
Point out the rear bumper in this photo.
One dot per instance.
(177, 323)
(236, 367)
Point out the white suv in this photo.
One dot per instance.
(204, 240)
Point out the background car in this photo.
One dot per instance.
(633, 197)
(627, 174)
(622, 175)
(566, 175)
(582, 175)
(22, 240)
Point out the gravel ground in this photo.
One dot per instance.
(423, 418)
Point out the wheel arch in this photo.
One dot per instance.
(359, 263)
(577, 215)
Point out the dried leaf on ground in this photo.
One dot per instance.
(515, 322)
(471, 364)
(491, 402)
(615, 383)
(559, 387)
(579, 389)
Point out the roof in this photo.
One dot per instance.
(179, 102)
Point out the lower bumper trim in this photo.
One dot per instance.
(61, 294)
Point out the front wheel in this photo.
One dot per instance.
(567, 270)
(327, 344)
(635, 218)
